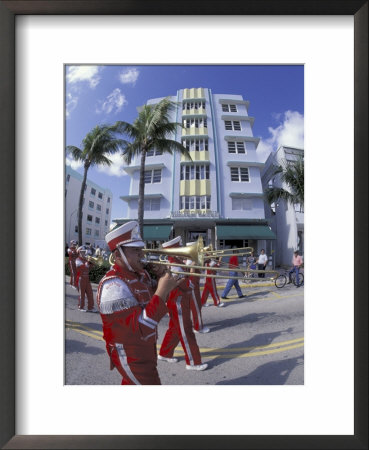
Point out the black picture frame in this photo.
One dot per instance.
(8, 11)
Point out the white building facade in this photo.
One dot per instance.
(218, 194)
(285, 219)
(96, 212)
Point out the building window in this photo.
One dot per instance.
(152, 204)
(89, 218)
(88, 231)
(98, 207)
(244, 204)
(100, 195)
(108, 199)
(193, 145)
(232, 125)
(198, 172)
(193, 105)
(93, 191)
(97, 219)
(195, 202)
(107, 210)
(152, 176)
(91, 204)
(240, 174)
(97, 233)
(195, 123)
(236, 147)
(106, 223)
(229, 108)
(154, 152)
(76, 229)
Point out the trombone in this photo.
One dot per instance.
(198, 254)
(96, 260)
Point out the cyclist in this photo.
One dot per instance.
(296, 264)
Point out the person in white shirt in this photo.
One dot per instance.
(262, 262)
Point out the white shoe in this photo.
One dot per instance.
(206, 305)
(198, 367)
(169, 360)
(220, 305)
(93, 310)
(202, 330)
(82, 309)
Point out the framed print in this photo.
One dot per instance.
(38, 410)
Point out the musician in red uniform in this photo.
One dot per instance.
(130, 310)
(210, 286)
(180, 324)
(198, 325)
(72, 255)
(83, 281)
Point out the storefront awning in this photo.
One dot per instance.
(156, 232)
(244, 232)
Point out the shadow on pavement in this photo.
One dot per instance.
(232, 322)
(271, 373)
(73, 346)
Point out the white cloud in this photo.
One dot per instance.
(69, 161)
(80, 74)
(71, 103)
(129, 76)
(113, 103)
(289, 132)
(116, 169)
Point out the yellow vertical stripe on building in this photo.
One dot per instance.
(202, 155)
(195, 187)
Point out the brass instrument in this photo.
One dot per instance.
(97, 260)
(194, 251)
(228, 252)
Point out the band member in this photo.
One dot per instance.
(198, 326)
(210, 286)
(72, 255)
(83, 281)
(180, 325)
(130, 309)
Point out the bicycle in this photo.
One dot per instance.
(281, 280)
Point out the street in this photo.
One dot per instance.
(257, 340)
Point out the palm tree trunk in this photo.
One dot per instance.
(141, 192)
(80, 203)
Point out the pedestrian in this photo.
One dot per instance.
(72, 255)
(83, 281)
(251, 264)
(262, 263)
(233, 264)
(210, 286)
(180, 324)
(296, 264)
(98, 251)
(130, 309)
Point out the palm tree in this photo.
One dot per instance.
(97, 145)
(291, 174)
(151, 130)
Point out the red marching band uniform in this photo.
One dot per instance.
(180, 324)
(210, 286)
(130, 314)
(83, 281)
(72, 255)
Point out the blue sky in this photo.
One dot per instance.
(105, 94)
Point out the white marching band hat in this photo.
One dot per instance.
(176, 242)
(126, 235)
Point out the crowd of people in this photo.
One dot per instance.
(135, 295)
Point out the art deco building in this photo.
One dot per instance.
(218, 194)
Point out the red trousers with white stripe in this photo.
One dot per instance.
(210, 287)
(180, 329)
(85, 289)
(136, 370)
